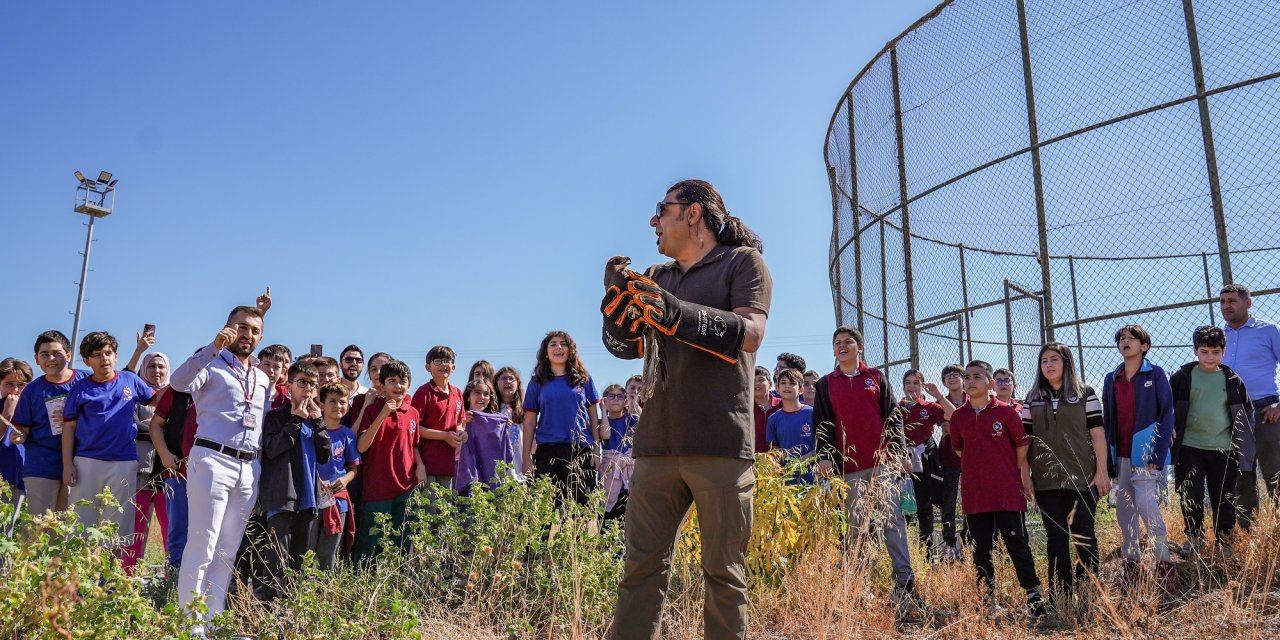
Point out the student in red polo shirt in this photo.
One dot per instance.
(388, 444)
(996, 482)
(922, 427)
(948, 461)
(764, 405)
(859, 434)
(441, 408)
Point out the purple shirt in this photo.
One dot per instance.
(487, 444)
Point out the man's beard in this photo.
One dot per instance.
(346, 375)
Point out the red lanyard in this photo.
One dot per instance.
(246, 384)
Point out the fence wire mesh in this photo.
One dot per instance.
(1007, 172)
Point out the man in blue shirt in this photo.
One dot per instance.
(1253, 352)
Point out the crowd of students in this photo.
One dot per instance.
(330, 454)
(1061, 447)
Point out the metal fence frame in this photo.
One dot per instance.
(1057, 320)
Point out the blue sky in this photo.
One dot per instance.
(410, 174)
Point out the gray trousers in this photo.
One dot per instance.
(872, 508)
(1267, 439)
(92, 477)
(44, 494)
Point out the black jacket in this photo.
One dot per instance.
(1239, 407)
(281, 480)
(830, 438)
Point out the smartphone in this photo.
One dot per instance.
(317, 349)
(148, 329)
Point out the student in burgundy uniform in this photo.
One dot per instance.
(922, 427)
(765, 404)
(859, 433)
(953, 382)
(440, 406)
(387, 439)
(996, 483)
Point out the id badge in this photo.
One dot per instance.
(250, 420)
(54, 406)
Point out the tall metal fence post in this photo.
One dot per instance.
(1042, 223)
(837, 290)
(968, 313)
(1075, 305)
(884, 296)
(1206, 131)
(1008, 324)
(1208, 288)
(913, 339)
(857, 213)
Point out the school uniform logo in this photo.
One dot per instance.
(128, 393)
(869, 383)
(1073, 399)
(997, 428)
(924, 413)
(806, 429)
(413, 424)
(1148, 383)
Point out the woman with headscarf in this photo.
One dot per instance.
(150, 494)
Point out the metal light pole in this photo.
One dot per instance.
(96, 199)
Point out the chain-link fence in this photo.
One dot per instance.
(1008, 172)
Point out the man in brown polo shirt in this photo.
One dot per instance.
(705, 313)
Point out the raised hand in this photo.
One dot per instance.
(224, 338)
(264, 302)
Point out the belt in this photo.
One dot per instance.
(246, 456)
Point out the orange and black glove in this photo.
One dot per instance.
(717, 332)
(623, 333)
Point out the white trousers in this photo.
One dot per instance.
(221, 491)
(92, 477)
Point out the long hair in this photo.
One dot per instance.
(478, 383)
(728, 229)
(1071, 384)
(573, 367)
(484, 367)
(516, 401)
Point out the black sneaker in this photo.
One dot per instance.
(1035, 605)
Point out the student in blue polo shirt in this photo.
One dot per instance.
(560, 415)
(791, 427)
(98, 434)
(38, 418)
(14, 376)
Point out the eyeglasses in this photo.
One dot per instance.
(657, 209)
(615, 396)
(1003, 381)
(506, 377)
(440, 362)
(353, 360)
(306, 384)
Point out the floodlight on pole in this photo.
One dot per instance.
(96, 200)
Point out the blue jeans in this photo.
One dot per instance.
(175, 495)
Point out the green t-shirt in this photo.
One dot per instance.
(1208, 419)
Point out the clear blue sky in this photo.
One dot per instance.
(406, 174)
